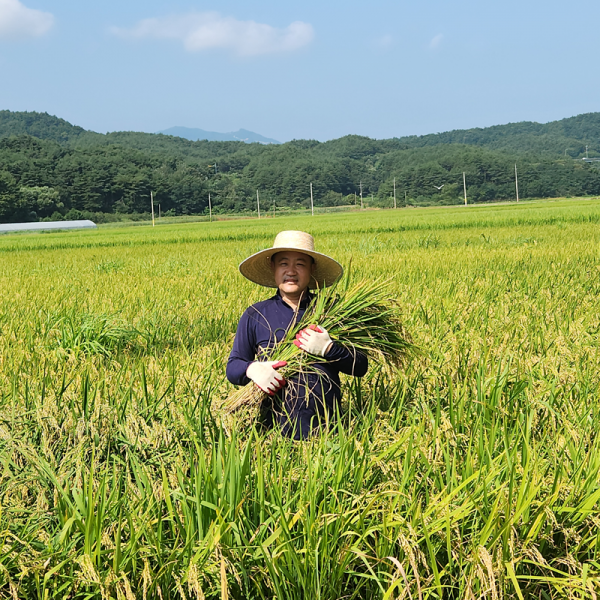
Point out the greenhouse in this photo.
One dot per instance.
(43, 226)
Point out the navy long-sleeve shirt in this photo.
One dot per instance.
(307, 395)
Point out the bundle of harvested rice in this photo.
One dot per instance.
(362, 317)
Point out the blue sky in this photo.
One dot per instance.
(308, 69)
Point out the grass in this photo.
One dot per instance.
(473, 472)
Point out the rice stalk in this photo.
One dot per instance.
(364, 318)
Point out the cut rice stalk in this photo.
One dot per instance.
(363, 318)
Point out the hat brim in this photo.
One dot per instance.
(257, 268)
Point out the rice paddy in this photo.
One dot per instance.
(472, 472)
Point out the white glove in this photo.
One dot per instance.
(314, 340)
(265, 376)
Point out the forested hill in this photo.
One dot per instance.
(50, 168)
(42, 126)
(567, 137)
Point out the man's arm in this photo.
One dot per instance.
(242, 353)
(347, 360)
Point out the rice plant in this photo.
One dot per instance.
(91, 334)
(472, 471)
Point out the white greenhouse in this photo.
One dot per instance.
(44, 226)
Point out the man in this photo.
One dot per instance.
(299, 405)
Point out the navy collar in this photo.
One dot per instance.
(306, 300)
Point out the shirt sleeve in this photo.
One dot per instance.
(243, 351)
(347, 360)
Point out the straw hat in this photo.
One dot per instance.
(257, 268)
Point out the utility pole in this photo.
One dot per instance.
(405, 198)
(361, 198)
(152, 206)
(465, 187)
(159, 212)
(586, 151)
(258, 204)
(394, 192)
(209, 209)
(273, 207)
(312, 207)
(516, 182)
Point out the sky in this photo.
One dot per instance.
(300, 70)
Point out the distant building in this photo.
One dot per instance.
(44, 226)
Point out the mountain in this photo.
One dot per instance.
(50, 168)
(48, 127)
(40, 125)
(241, 135)
(565, 138)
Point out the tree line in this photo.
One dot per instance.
(66, 172)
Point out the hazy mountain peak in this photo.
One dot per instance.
(194, 134)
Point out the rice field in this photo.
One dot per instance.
(474, 472)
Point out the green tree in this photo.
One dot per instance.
(9, 195)
(42, 200)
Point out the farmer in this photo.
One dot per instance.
(298, 406)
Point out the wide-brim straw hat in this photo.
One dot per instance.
(257, 268)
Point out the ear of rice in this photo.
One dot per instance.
(362, 317)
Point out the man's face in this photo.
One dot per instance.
(292, 271)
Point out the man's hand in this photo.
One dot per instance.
(314, 340)
(265, 376)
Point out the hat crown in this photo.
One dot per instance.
(295, 239)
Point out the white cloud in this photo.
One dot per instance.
(18, 22)
(436, 41)
(207, 30)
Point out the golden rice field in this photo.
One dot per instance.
(472, 473)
